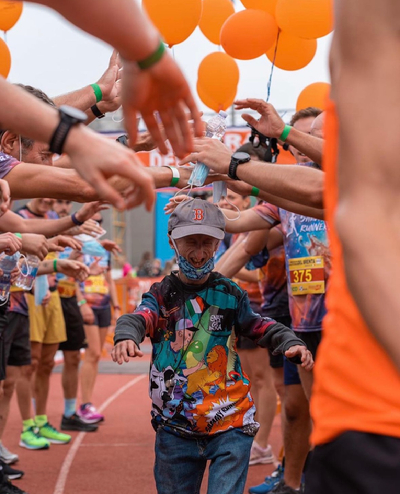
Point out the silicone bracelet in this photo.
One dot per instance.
(82, 302)
(18, 235)
(97, 92)
(55, 265)
(285, 133)
(153, 58)
(254, 192)
(75, 220)
(175, 175)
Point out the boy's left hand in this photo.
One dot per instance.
(305, 356)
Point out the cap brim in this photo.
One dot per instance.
(184, 231)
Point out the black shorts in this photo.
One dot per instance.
(355, 462)
(3, 326)
(73, 325)
(102, 317)
(312, 339)
(17, 345)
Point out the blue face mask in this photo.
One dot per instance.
(190, 271)
(195, 273)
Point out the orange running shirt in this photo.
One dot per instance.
(356, 385)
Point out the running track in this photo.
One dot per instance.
(118, 458)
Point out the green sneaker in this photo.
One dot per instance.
(52, 435)
(30, 439)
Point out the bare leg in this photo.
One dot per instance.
(24, 384)
(70, 374)
(42, 378)
(260, 373)
(13, 374)
(307, 379)
(297, 432)
(90, 362)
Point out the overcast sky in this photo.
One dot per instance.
(51, 54)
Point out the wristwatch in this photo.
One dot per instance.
(237, 159)
(69, 117)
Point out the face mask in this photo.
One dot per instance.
(190, 271)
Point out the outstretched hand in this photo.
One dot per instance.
(270, 124)
(305, 356)
(162, 88)
(124, 350)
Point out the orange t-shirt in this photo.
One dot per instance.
(356, 385)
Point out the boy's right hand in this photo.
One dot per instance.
(125, 349)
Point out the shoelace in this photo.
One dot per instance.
(49, 426)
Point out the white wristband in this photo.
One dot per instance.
(175, 175)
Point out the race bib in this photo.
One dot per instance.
(307, 275)
(96, 284)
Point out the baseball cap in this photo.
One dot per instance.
(196, 216)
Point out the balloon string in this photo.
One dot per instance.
(5, 37)
(272, 69)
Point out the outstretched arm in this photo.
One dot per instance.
(366, 92)
(298, 184)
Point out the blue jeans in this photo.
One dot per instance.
(180, 462)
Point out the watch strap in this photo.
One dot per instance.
(232, 169)
(97, 112)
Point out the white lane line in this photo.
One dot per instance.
(65, 467)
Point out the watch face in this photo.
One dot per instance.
(242, 157)
(73, 113)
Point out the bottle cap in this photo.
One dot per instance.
(223, 114)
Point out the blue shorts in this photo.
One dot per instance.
(290, 373)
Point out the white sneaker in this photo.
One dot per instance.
(7, 456)
(261, 455)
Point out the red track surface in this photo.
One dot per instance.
(118, 458)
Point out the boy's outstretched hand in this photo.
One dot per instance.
(305, 356)
(124, 350)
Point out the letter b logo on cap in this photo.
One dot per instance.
(198, 215)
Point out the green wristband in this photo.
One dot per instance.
(175, 175)
(18, 235)
(285, 133)
(55, 265)
(254, 192)
(97, 92)
(153, 58)
(82, 302)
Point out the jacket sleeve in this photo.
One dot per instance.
(265, 331)
(141, 323)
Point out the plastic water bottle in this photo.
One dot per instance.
(29, 268)
(41, 287)
(7, 264)
(216, 128)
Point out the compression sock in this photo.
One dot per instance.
(69, 407)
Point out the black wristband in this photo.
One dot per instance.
(96, 111)
(75, 220)
(69, 117)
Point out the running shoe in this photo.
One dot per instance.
(12, 473)
(31, 439)
(7, 487)
(261, 455)
(75, 423)
(282, 488)
(269, 482)
(6, 456)
(89, 414)
(52, 435)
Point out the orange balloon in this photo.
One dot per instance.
(293, 53)
(175, 19)
(213, 104)
(10, 12)
(215, 13)
(267, 5)
(313, 95)
(248, 34)
(5, 59)
(308, 19)
(218, 78)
